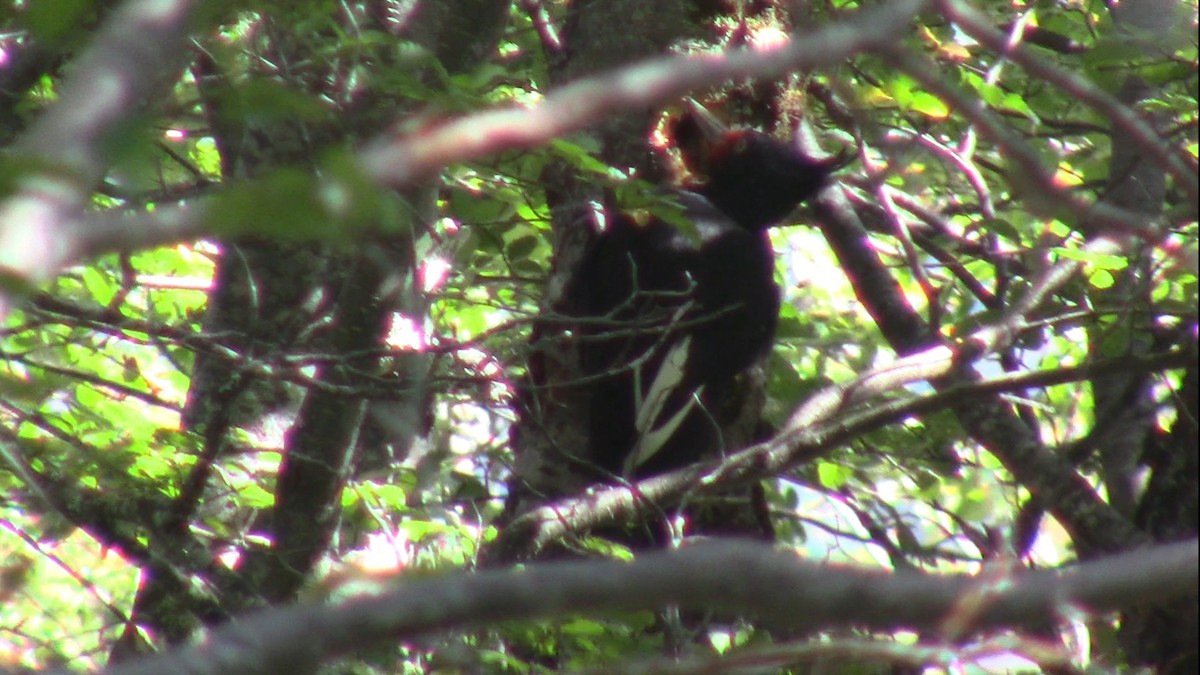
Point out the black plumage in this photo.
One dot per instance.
(670, 314)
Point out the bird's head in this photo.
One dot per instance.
(752, 177)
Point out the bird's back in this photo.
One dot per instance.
(673, 308)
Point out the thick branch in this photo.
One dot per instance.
(831, 417)
(62, 236)
(399, 161)
(741, 577)
(122, 68)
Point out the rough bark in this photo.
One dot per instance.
(271, 299)
(549, 439)
(550, 435)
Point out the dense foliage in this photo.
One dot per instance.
(269, 273)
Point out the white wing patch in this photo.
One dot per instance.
(652, 431)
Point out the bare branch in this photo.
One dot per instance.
(400, 160)
(740, 577)
(1030, 176)
(140, 42)
(397, 160)
(835, 416)
(976, 25)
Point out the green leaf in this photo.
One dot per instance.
(477, 207)
(1115, 342)
(1100, 261)
(1016, 103)
(1060, 229)
(521, 247)
(1101, 279)
(392, 496)
(50, 20)
(251, 495)
(581, 153)
(100, 284)
(480, 78)
(1002, 228)
(283, 205)
(583, 627)
(929, 105)
(263, 102)
(900, 88)
(833, 476)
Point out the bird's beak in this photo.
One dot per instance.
(697, 134)
(709, 126)
(839, 161)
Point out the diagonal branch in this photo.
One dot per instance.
(400, 160)
(1123, 118)
(1030, 175)
(139, 45)
(61, 234)
(830, 418)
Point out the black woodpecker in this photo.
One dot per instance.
(670, 314)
